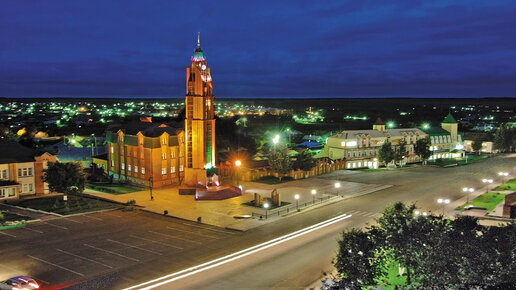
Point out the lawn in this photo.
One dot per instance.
(283, 203)
(488, 200)
(472, 159)
(75, 204)
(114, 188)
(509, 185)
(12, 217)
(273, 180)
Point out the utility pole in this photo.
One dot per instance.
(150, 187)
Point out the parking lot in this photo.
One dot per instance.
(67, 251)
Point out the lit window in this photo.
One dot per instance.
(129, 167)
(172, 154)
(163, 171)
(163, 155)
(11, 192)
(172, 169)
(136, 169)
(112, 163)
(111, 149)
(123, 166)
(181, 168)
(143, 170)
(164, 141)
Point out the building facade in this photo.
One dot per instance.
(21, 171)
(445, 142)
(169, 154)
(360, 147)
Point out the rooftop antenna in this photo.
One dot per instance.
(198, 39)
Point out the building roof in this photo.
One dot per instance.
(433, 131)
(147, 129)
(449, 119)
(352, 134)
(13, 152)
(378, 121)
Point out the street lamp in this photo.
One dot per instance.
(337, 186)
(238, 163)
(487, 182)
(468, 190)
(266, 207)
(297, 201)
(314, 192)
(443, 202)
(503, 174)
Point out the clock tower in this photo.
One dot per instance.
(199, 119)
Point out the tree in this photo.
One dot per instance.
(305, 161)
(400, 152)
(422, 149)
(503, 139)
(477, 144)
(386, 154)
(67, 177)
(356, 262)
(280, 162)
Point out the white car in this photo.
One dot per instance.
(19, 282)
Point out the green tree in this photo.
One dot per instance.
(422, 149)
(305, 161)
(477, 144)
(400, 152)
(279, 161)
(386, 154)
(503, 139)
(67, 177)
(356, 261)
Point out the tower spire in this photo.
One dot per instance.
(198, 39)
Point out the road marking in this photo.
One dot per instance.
(80, 257)
(195, 233)
(205, 228)
(157, 242)
(118, 216)
(61, 227)
(7, 234)
(191, 241)
(27, 228)
(55, 265)
(18, 271)
(131, 246)
(95, 218)
(354, 211)
(111, 252)
(237, 255)
(70, 219)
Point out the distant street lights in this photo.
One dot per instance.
(297, 201)
(503, 175)
(314, 192)
(266, 207)
(418, 213)
(468, 190)
(443, 202)
(487, 182)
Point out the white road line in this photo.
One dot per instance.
(191, 241)
(90, 217)
(157, 242)
(373, 214)
(27, 228)
(70, 219)
(354, 211)
(18, 271)
(118, 216)
(237, 255)
(205, 228)
(111, 252)
(7, 234)
(195, 233)
(80, 257)
(61, 227)
(131, 246)
(57, 266)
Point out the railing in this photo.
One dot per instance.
(293, 207)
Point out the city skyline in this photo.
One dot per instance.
(271, 49)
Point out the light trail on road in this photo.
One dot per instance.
(237, 255)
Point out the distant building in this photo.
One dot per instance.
(447, 141)
(21, 171)
(162, 154)
(360, 147)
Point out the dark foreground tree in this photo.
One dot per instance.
(67, 177)
(280, 162)
(305, 161)
(422, 149)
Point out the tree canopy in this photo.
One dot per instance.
(386, 154)
(422, 149)
(65, 177)
(305, 160)
(279, 161)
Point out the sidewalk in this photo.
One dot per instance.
(221, 213)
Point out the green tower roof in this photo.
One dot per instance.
(449, 119)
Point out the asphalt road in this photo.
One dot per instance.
(119, 249)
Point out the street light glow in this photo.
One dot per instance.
(296, 196)
(337, 185)
(314, 192)
(238, 163)
(266, 205)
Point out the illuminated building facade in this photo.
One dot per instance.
(169, 154)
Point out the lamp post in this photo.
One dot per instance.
(443, 202)
(275, 141)
(487, 182)
(314, 192)
(467, 190)
(266, 207)
(337, 186)
(238, 163)
(297, 201)
(503, 174)
(150, 187)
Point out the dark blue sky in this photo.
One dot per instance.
(259, 48)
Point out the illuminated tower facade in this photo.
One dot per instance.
(199, 119)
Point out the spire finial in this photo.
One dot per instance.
(198, 39)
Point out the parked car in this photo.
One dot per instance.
(469, 207)
(19, 282)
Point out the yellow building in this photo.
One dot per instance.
(164, 154)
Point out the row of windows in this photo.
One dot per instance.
(358, 164)
(7, 192)
(172, 169)
(440, 139)
(24, 172)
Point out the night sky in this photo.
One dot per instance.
(259, 48)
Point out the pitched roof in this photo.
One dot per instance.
(378, 122)
(147, 129)
(449, 119)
